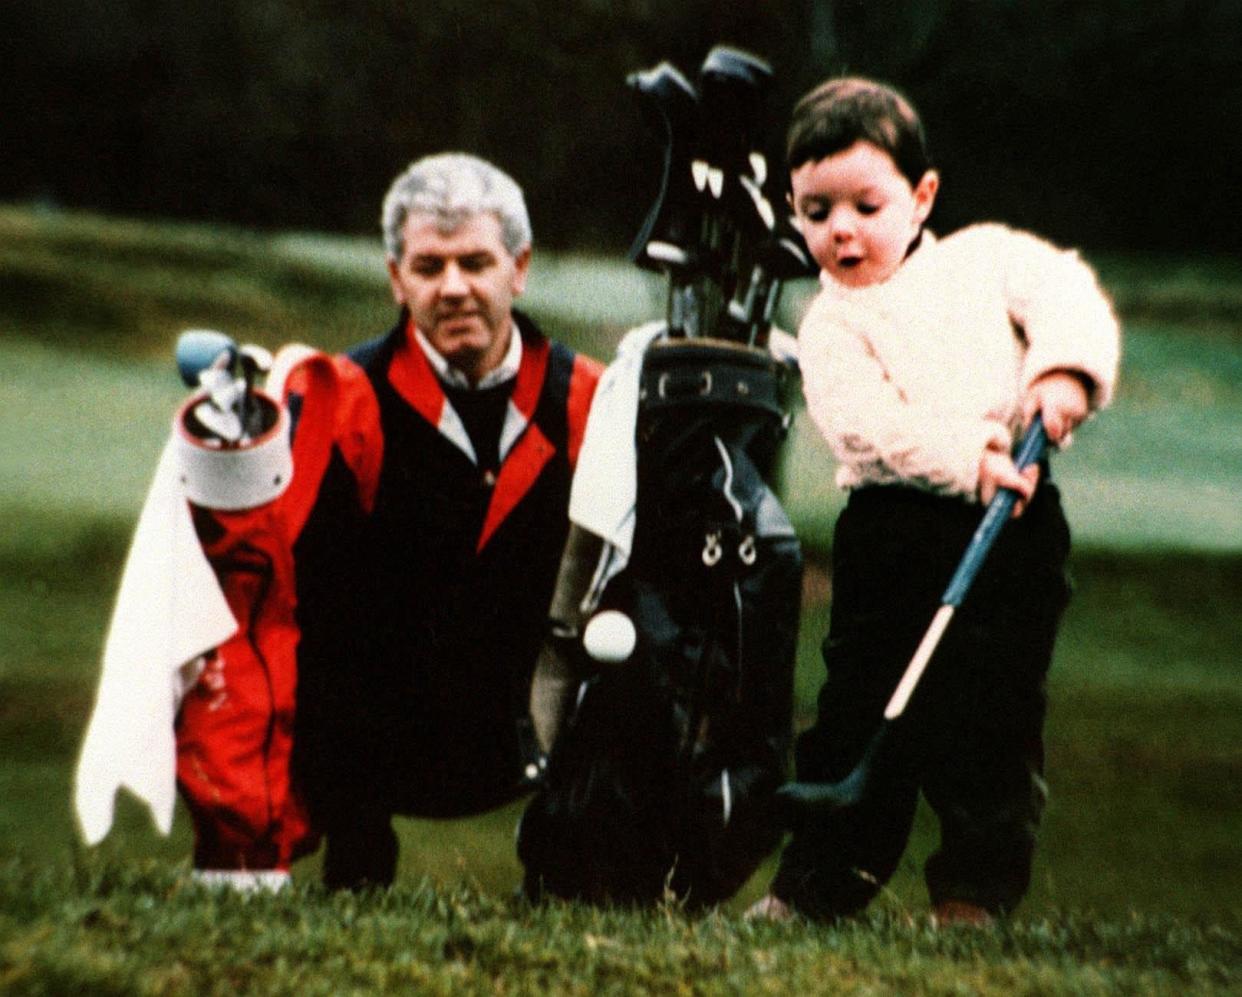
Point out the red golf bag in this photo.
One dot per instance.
(234, 730)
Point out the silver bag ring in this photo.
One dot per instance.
(746, 551)
(712, 550)
(705, 384)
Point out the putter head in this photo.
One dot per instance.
(797, 802)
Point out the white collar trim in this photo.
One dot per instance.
(449, 375)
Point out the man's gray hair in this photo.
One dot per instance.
(453, 187)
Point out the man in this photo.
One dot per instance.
(426, 566)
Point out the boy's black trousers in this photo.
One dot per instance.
(971, 737)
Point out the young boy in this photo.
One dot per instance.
(922, 359)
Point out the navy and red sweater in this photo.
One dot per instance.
(424, 580)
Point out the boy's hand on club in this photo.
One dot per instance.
(997, 470)
(1060, 396)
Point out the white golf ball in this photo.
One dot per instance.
(609, 637)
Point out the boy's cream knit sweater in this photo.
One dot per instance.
(912, 379)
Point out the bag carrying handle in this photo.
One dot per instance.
(313, 375)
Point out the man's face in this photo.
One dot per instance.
(459, 287)
(858, 213)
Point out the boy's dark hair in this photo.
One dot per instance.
(840, 112)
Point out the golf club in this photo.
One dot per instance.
(253, 360)
(714, 229)
(213, 362)
(799, 799)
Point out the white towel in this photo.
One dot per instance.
(604, 491)
(169, 611)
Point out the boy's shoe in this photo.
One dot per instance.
(948, 913)
(769, 908)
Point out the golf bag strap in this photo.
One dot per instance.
(558, 666)
(312, 375)
(681, 372)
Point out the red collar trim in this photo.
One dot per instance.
(414, 380)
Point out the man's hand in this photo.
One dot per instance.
(997, 470)
(1061, 397)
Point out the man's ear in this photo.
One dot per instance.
(394, 281)
(521, 268)
(925, 195)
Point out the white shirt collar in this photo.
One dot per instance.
(451, 376)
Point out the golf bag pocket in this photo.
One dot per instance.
(661, 777)
(234, 728)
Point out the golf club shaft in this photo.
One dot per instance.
(999, 509)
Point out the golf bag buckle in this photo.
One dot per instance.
(712, 549)
(747, 551)
(668, 389)
(680, 372)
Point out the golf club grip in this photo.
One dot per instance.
(1030, 450)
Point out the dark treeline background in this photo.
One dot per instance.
(1112, 124)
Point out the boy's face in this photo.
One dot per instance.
(858, 214)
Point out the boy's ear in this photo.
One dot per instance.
(925, 195)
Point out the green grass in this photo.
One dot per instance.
(142, 930)
(97, 931)
(1140, 864)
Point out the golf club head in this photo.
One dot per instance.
(732, 87)
(796, 802)
(667, 99)
(199, 349)
(738, 68)
(668, 104)
(254, 360)
(222, 423)
(718, 229)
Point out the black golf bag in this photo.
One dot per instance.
(659, 782)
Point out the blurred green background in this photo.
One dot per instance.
(1145, 734)
(174, 165)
